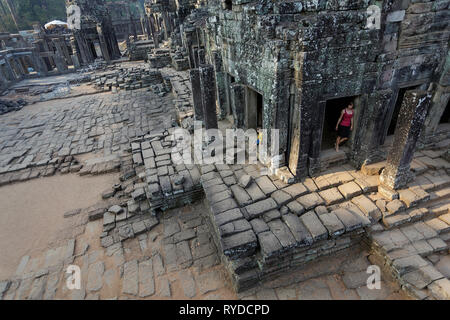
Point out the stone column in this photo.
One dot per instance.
(201, 56)
(301, 123)
(153, 31)
(208, 85)
(166, 23)
(9, 70)
(238, 105)
(221, 81)
(196, 93)
(75, 53)
(409, 126)
(316, 138)
(60, 62)
(85, 53)
(38, 63)
(23, 65)
(19, 66)
(103, 45)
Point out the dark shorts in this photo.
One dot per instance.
(343, 132)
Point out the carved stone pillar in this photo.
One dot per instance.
(409, 126)
(196, 93)
(208, 85)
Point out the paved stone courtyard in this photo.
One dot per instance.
(176, 260)
(126, 251)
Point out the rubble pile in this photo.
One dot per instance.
(169, 182)
(159, 58)
(180, 61)
(128, 79)
(182, 91)
(140, 49)
(9, 106)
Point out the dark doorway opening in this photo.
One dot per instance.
(254, 109)
(93, 51)
(398, 105)
(446, 115)
(228, 4)
(259, 111)
(332, 113)
(232, 79)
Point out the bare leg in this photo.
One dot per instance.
(344, 139)
(338, 141)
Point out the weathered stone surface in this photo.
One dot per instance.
(228, 216)
(259, 226)
(350, 190)
(269, 243)
(296, 190)
(224, 206)
(146, 281)
(407, 264)
(245, 181)
(331, 196)
(283, 233)
(295, 207)
(188, 284)
(266, 185)
(350, 221)
(373, 169)
(440, 289)
(314, 226)
(257, 209)
(367, 207)
(95, 275)
(395, 206)
(241, 196)
(298, 229)
(240, 244)
(271, 215)
(333, 224)
(310, 201)
(164, 288)
(209, 281)
(281, 197)
(130, 281)
(234, 227)
(115, 209)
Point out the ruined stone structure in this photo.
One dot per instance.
(164, 17)
(96, 37)
(42, 53)
(291, 65)
(124, 21)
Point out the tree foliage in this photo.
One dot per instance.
(28, 12)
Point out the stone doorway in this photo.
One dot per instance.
(392, 118)
(445, 118)
(254, 109)
(333, 110)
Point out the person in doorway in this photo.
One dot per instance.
(344, 125)
(259, 136)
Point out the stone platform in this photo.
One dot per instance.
(264, 227)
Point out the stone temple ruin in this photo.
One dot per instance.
(290, 66)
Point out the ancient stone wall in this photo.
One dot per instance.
(300, 54)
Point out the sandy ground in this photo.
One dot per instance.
(32, 213)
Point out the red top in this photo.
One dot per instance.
(347, 119)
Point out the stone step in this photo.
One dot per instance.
(426, 211)
(436, 202)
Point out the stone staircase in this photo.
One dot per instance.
(267, 227)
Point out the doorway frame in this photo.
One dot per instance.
(390, 112)
(250, 97)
